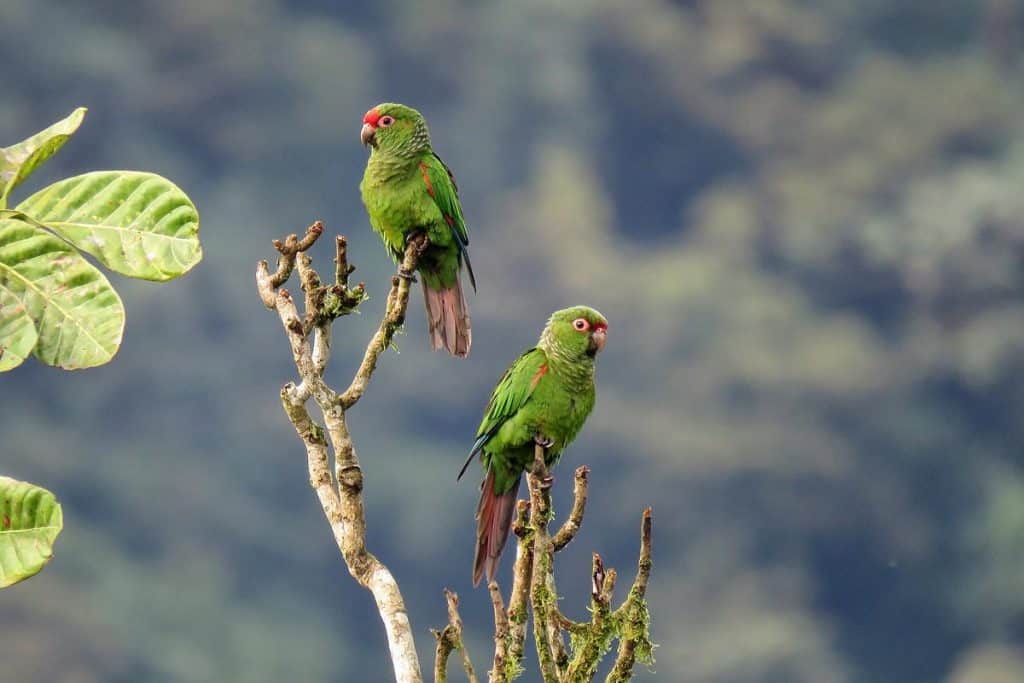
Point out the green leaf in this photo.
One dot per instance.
(137, 224)
(17, 331)
(30, 519)
(78, 316)
(18, 161)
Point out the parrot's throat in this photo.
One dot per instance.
(575, 369)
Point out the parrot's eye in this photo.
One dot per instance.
(386, 121)
(581, 324)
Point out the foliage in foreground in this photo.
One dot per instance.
(53, 301)
(56, 304)
(30, 519)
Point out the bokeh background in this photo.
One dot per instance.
(805, 221)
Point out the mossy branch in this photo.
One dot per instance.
(533, 584)
(448, 639)
(542, 599)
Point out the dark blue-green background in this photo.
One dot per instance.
(805, 222)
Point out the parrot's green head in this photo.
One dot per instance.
(577, 332)
(395, 129)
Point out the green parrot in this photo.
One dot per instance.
(543, 398)
(407, 190)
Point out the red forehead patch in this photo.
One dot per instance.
(372, 117)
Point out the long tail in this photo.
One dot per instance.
(494, 519)
(448, 318)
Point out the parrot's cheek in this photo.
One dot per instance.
(368, 135)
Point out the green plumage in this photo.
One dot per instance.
(547, 393)
(407, 189)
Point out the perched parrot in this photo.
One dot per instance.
(407, 190)
(543, 398)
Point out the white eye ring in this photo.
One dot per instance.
(386, 121)
(581, 324)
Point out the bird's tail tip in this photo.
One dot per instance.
(494, 521)
(448, 319)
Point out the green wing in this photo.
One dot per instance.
(442, 188)
(509, 396)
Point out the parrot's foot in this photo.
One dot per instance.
(543, 441)
(420, 239)
(407, 275)
(546, 482)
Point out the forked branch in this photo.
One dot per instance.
(340, 493)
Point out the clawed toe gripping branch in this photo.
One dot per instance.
(340, 491)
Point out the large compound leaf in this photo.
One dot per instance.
(17, 331)
(18, 161)
(137, 224)
(78, 316)
(30, 519)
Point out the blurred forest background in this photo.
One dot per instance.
(805, 221)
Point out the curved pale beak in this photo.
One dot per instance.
(597, 339)
(366, 135)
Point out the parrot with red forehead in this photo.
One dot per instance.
(408, 190)
(543, 398)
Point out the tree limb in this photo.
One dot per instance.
(541, 598)
(508, 657)
(500, 631)
(340, 496)
(450, 638)
(572, 524)
(633, 614)
(600, 631)
(398, 300)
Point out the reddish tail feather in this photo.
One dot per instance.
(494, 519)
(448, 319)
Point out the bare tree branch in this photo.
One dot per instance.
(398, 300)
(340, 496)
(500, 631)
(572, 524)
(285, 262)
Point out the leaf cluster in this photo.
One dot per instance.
(54, 302)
